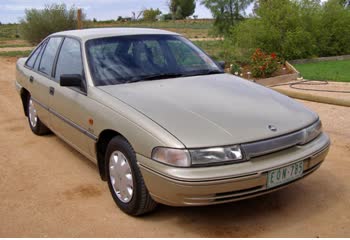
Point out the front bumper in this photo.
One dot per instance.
(220, 184)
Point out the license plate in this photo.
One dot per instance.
(286, 174)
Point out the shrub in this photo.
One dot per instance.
(38, 24)
(151, 14)
(235, 69)
(295, 29)
(264, 65)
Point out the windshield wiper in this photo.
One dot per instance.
(205, 72)
(156, 77)
(209, 72)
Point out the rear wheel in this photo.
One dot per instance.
(35, 124)
(125, 181)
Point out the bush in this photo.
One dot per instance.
(151, 14)
(295, 29)
(38, 24)
(264, 65)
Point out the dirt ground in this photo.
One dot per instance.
(12, 49)
(47, 189)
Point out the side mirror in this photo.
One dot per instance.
(222, 64)
(71, 80)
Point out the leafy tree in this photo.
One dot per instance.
(37, 24)
(227, 13)
(181, 9)
(151, 14)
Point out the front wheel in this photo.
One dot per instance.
(35, 124)
(125, 181)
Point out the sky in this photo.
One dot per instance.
(12, 11)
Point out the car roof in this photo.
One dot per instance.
(92, 33)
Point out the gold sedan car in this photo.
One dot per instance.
(162, 120)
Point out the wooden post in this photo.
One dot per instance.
(79, 20)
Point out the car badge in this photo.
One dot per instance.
(272, 128)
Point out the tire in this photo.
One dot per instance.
(37, 127)
(124, 179)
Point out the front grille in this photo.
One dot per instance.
(260, 148)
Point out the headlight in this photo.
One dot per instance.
(216, 155)
(312, 132)
(195, 157)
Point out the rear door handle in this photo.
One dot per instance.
(31, 79)
(52, 91)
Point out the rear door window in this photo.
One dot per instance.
(49, 55)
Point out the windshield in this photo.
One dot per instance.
(126, 59)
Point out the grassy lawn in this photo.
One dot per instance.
(331, 70)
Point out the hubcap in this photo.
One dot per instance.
(121, 176)
(33, 117)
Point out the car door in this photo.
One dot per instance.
(41, 64)
(70, 117)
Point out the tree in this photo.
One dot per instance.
(39, 23)
(181, 9)
(346, 3)
(227, 13)
(293, 30)
(151, 14)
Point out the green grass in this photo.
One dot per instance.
(15, 54)
(192, 24)
(213, 48)
(338, 71)
(8, 31)
(188, 28)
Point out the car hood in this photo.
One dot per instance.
(214, 110)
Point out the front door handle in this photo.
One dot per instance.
(31, 79)
(52, 91)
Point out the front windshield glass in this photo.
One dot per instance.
(126, 59)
